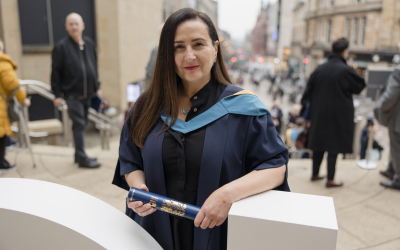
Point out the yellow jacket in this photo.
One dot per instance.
(8, 82)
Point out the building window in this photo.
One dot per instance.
(43, 21)
(346, 28)
(354, 30)
(362, 30)
(328, 31)
(330, 3)
(319, 31)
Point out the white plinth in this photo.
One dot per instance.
(43, 215)
(283, 220)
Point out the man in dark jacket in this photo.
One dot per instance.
(387, 112)
(329, 92)
(74, 79)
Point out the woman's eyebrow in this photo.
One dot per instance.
(194, 40)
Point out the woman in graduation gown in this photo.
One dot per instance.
(195, 138)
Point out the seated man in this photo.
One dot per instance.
(364, 140)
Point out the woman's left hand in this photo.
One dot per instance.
(214, 210)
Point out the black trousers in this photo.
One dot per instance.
(3, 161)
(317, 160)
(78, 112)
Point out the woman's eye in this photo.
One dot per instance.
(198, 44)
(179, 47)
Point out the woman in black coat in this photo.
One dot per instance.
(329, 92)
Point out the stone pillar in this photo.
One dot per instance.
(108, 48)
(127, 31)
(11, 33)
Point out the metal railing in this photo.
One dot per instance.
(105, 124)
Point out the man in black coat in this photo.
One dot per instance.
(329, 92)
(74, 78)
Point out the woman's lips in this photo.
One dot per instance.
(191, 67)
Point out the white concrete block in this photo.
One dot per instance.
(283, 221)
(43, 215)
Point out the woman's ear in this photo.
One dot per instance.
(216, 47)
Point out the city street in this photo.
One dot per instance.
(368, 214)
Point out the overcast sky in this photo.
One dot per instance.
(238, 16)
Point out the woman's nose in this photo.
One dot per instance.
(189, 55)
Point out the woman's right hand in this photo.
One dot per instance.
(138, 206)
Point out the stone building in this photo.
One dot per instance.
(272, 30)
(125, 32)
(285, 25)
(279, 31)
(259, 34)
(298, 36)
(372, 27)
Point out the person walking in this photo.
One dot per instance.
(365, 138)
(329, 95)
(387, 112)
(74, 79)
(9, 85)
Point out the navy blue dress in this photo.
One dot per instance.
(234, 145)
(181, 157)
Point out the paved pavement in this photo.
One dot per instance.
(368, 214)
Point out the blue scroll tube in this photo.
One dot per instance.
(163, 203)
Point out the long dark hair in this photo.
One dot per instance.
(162, 94)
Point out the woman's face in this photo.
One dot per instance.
(194, 52)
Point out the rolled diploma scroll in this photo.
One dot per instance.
(163, 203)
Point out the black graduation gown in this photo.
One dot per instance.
(329, 90)
(234, 145)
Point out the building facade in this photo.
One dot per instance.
(259, 34)
(298, 37)
(285, 24)
(371, 26)
(272, 30)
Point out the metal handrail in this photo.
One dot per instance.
(103, 122)
(34, 82)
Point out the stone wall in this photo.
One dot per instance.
(138, 35)
(127, 31)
